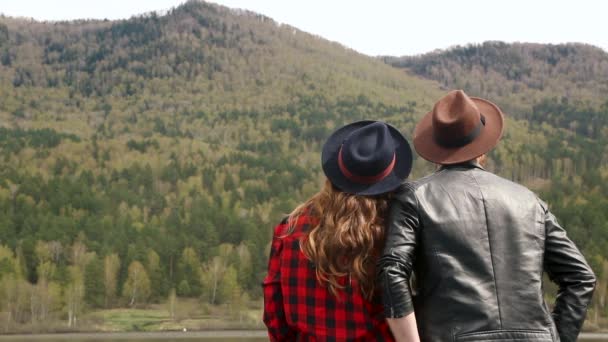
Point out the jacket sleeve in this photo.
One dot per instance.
(274, 313)
(396, 263)
(566, 266)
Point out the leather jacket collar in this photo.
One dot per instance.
(464, 165)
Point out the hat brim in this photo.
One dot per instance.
(429, 149)
(401, 170)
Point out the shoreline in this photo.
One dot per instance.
(139, 334)
(182, 335)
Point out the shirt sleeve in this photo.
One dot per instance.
(396, 264)
(274, 313)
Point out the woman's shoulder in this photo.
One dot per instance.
(295, 226)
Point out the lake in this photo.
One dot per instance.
(209, 336)
(197, 336)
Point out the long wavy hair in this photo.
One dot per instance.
(347, 239)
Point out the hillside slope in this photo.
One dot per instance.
(170, 142)
(170, 145)
(517, 75)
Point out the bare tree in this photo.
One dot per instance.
(213, 273)
(137, 285)
(74, 292)
(172, 303)
(74, 295)
(111, 266)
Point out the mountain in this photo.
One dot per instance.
(169, 145)
(517, 75)
(555, 90)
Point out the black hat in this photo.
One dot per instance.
(366, 158)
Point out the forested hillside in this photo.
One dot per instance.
(156, 153)
(149, 158)
(519, 74)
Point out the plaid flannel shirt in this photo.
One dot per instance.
(298, 308)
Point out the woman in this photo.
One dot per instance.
(320, 282)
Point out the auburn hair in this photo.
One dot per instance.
(347, 238)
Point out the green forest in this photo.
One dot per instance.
(146, 161)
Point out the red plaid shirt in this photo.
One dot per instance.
(298, 308)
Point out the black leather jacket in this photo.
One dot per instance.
(478, 245)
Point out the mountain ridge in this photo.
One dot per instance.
(174, 143)
(517, 75)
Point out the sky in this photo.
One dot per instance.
(380, 27)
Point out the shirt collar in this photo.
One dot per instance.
(471, 164)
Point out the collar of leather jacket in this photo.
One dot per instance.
(471, 164)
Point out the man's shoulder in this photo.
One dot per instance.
(496, 180)
(506, 188)
(413, 185)
(445, 176)
(408, 189)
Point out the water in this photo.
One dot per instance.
(594, 338)
(217, 336)
(203, 336)
(210, 339)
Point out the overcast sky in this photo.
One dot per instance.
(381, 27)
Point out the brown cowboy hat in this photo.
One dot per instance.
(458, 129)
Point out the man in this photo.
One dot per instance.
(477, 243)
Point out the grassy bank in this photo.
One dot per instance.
(189, 314)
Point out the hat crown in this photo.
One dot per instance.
(459, 128)
(368, 151)
(454, 116)
(366, 158)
